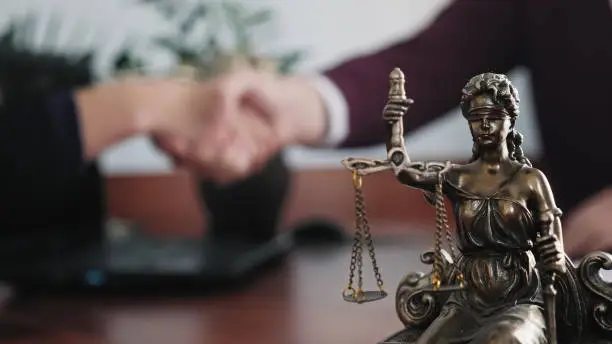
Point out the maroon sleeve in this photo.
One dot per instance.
(468, 38)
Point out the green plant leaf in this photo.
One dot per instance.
(234, 11)
(195, 15)
(167, 8)
(169, 43)
(236, 16)
(258, 18)
(287, 62)
(126, 61)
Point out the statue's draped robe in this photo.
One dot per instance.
(503, 295)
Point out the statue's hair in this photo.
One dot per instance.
(503, 93)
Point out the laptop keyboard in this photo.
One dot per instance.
(127, 250)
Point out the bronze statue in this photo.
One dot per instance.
(507, 279)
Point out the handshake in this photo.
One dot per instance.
(223, 129)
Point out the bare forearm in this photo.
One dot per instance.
(305, 105)
(106, 117)
(421, 175)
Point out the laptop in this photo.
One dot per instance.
(243, 240)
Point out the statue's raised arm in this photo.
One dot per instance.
(423, 175)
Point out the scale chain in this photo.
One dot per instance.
(360, 263)
(444, 217)
(359, 234)
(355, 249)
(437, 265)
(365, 228)
(442, 226)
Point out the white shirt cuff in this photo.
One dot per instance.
(336, 109)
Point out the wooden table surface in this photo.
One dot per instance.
(297, 303)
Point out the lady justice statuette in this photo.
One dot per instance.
(505, 277)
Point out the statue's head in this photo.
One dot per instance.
(490, 103)
(490, 91)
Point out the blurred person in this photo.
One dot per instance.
(47, 141)
(567, 48)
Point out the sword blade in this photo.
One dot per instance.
(550, 293)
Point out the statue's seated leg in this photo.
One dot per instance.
(521, 324)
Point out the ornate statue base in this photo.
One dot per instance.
(585, 311)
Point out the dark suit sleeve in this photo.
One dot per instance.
(40, 148)
(468, 38)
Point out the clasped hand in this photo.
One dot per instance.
(227, 128)
(550, 254)
(396, 109)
